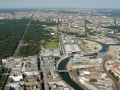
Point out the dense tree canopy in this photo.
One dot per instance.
(116, 28)
(11, 32)
(35, 34)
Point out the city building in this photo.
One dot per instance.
(77, 60)
(50, 52)
(101, 55)
(6, 60)
(67, 39)
(24, 72)
(48, 63)
(72, 49)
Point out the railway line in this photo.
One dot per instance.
(117, 86)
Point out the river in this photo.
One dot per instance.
(112, 36)
(66, 77)
(62, 65)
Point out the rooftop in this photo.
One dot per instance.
(72, 48)
(67, 38)
(78, 58)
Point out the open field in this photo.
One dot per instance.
(113, 50)
(90, 45)
(51, 44)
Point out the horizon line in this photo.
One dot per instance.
(55, 8)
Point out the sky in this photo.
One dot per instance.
(59, 3)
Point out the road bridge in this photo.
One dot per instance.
(62, 71)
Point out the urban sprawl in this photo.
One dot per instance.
(84, 46)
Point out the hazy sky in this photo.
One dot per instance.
(59, 3)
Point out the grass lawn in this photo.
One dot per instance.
(51, 44)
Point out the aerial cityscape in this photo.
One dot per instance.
(60, 47)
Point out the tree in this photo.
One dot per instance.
(21, 79)
(12, 88)
(95, 47)
(11, 32)
(116, 77)
(24, 85)
(35, 36)
(93, 80)
(77, 71)
(56, 59)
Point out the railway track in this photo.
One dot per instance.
(117, 86)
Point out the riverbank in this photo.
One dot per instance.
(61, 59)
(107, 40)
(91, 46)
(72, 76)
(65, 82)
(114, 50)
(65, 76)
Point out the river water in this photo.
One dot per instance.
(114, 37)
(62, 65)
(66, 77)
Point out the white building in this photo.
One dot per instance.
(4, 60)
(33, 57)
(77, 60)
(50, 52)
(16, 76)
(11, 58)
(72, 49)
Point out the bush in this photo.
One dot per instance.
(12, 88)
(77, 71)
(93, 80)
(56, 59)
(21, 79)
(92, 57)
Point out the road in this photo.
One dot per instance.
(10, 64)
(21, 41)
(62, 45)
